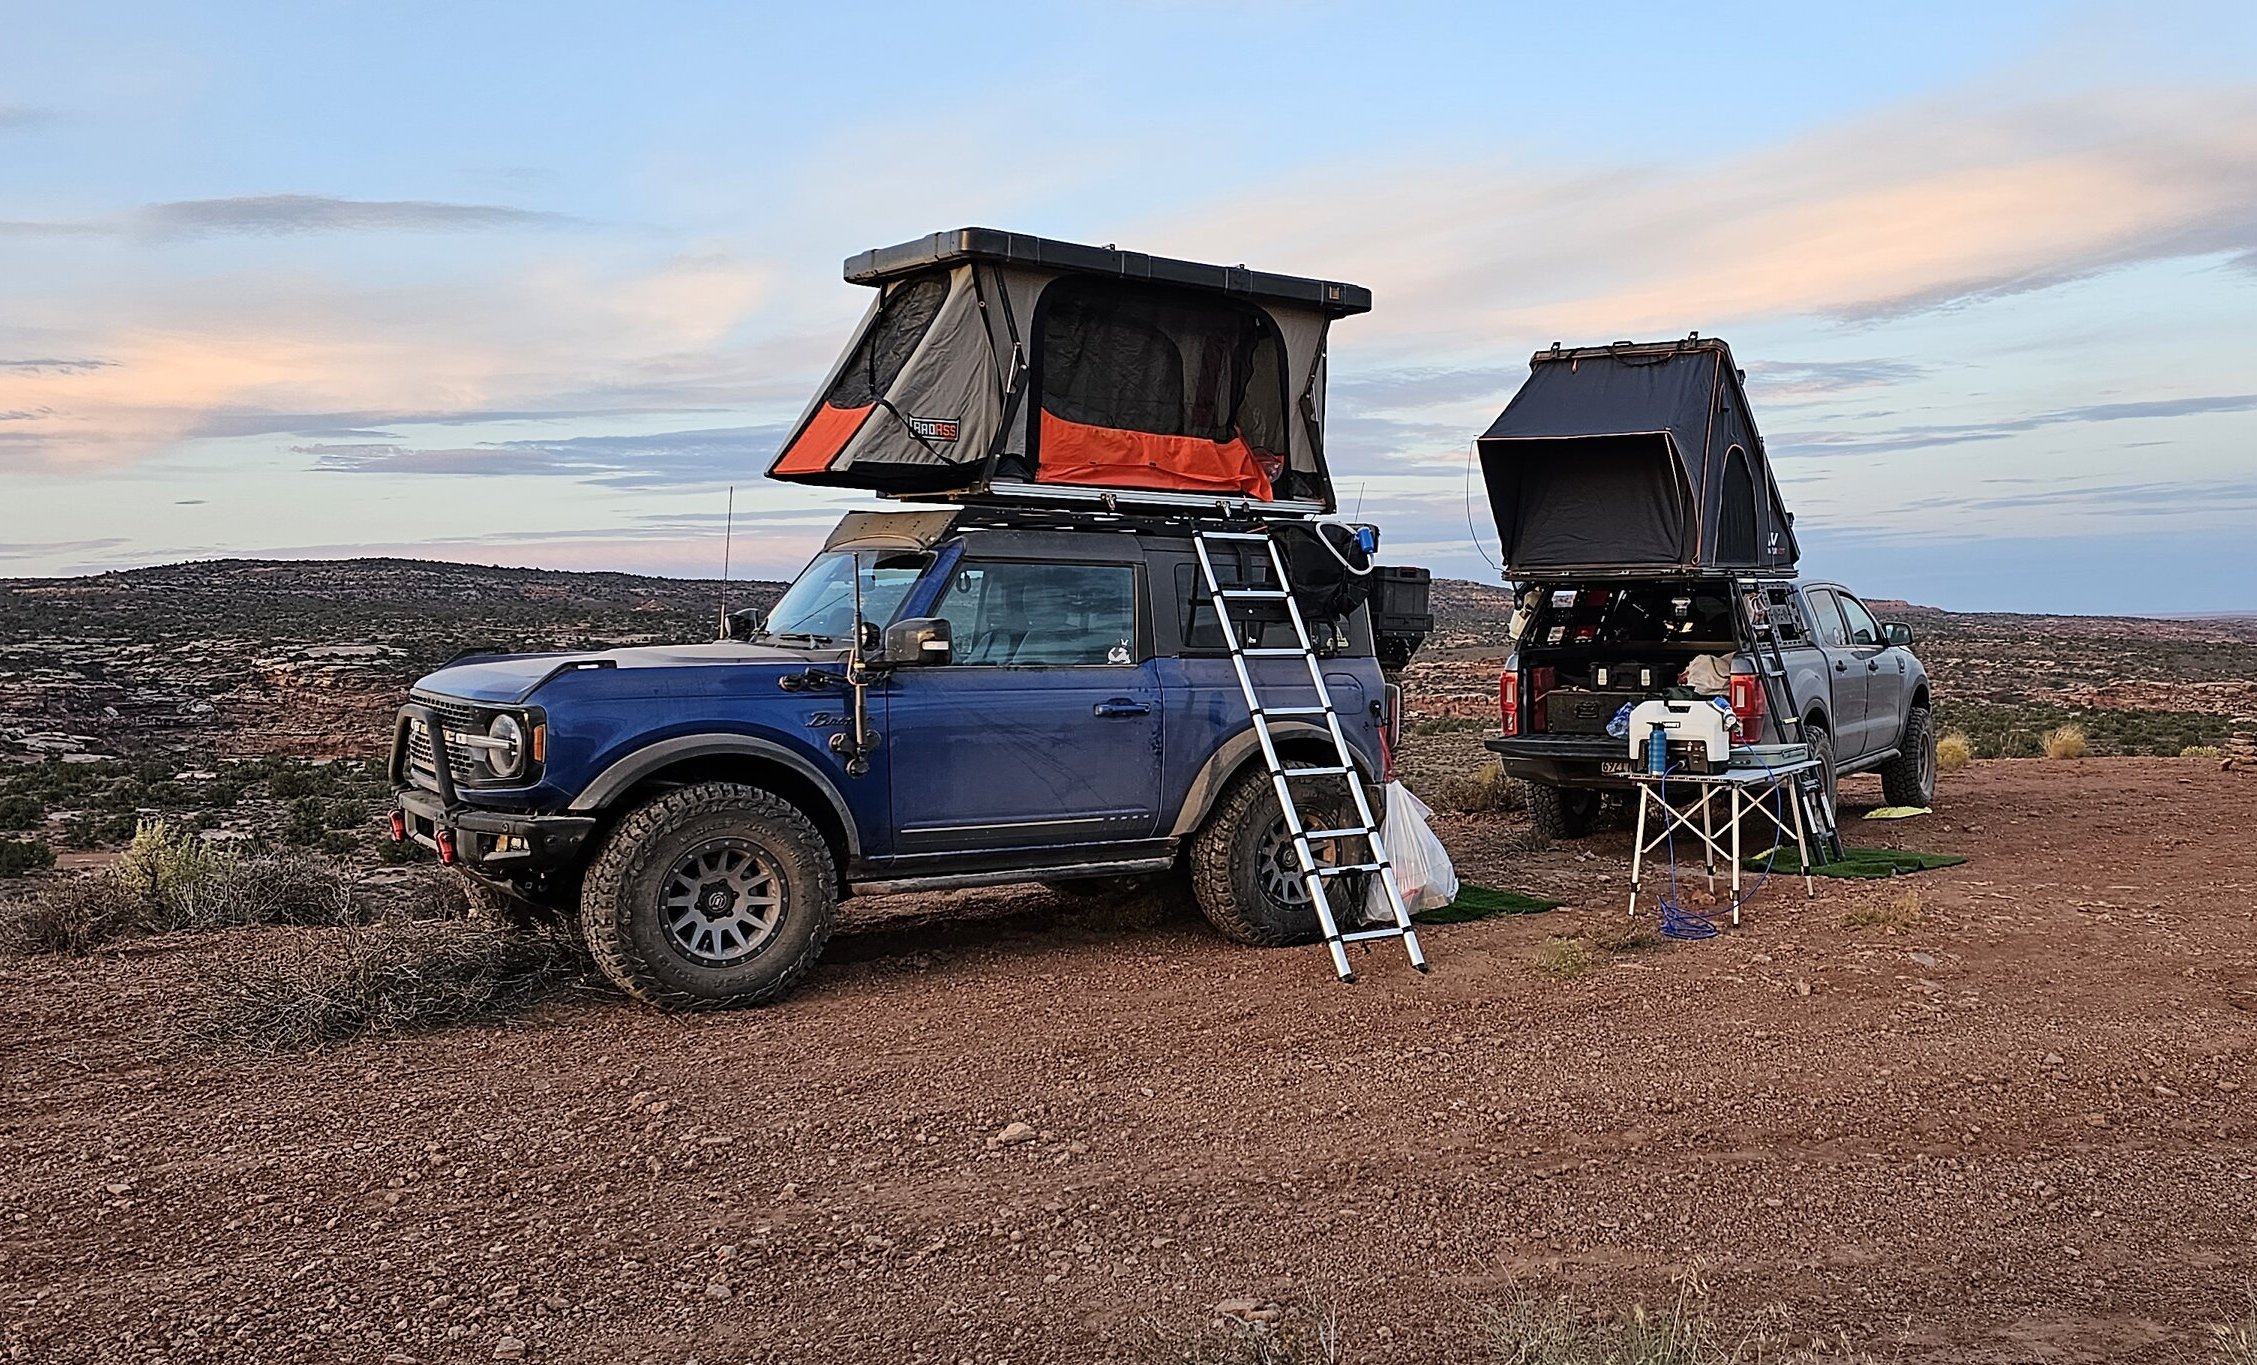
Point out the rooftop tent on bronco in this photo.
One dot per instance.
(1005, 367)
(1638, 458)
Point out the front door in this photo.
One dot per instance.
(1885, 674)
(1045, 727)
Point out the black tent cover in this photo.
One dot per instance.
(1636, 458)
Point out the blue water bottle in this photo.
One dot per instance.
(1657, 751)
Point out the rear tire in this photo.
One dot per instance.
(1909, 779)
(1822, 748)
(1562, 812)
(1244, 876)
(710, 896)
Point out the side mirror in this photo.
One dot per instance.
(918, 641)
(1897, 633)
(743, 624)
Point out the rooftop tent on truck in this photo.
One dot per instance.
(1634, 458)
(999, 367)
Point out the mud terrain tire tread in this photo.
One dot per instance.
(1558, 813)
(606, 892)
(1909, 779)
(1225, 876)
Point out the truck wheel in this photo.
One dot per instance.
(1562, 812)
(712, 895)
(1909, 779)
(1822, 749)
(1245, 875)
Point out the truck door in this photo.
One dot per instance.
(1845, 672)
(1045, 727)
(1885, 675)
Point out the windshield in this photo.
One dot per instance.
(821, 604)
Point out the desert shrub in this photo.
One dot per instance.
(1954, 751)
(21, 857)
(286, 886)
(176, 873)
(1479, 792)
(1446, 725)
(71, 915)
(310, 989)
(21, 812)
(2202, 751)
(1898, 912)
(2066, 741)
(1565, 957)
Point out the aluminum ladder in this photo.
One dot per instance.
(1314, 874)
(1763, 618)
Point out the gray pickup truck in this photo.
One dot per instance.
(1585, 647)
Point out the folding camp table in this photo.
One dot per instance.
(1740, 791)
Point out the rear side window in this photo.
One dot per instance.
(1014, 613)
(902, 321)
(1862, 630)
(1825, 618)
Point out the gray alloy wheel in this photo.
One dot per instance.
(722, 901)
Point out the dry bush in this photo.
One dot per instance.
(2235, 1343)
(2202, 751)
(1304, 1333)
(70, 915)
(1565, 957)
(1954, 751)
(2067, 741)
(1527, 1330)
(308, 990)
(182, 880)
(1900, 911)
(1484, 790)
(174, 873)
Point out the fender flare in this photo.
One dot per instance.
(625, 772)
(1233, 755)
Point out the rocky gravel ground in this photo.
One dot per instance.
(1998, 1113)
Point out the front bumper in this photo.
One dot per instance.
(499, 842)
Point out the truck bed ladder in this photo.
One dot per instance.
(1764, 617)
(1314, 874)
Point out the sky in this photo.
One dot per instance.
(537, 283)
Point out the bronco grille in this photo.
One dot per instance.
(454, 716)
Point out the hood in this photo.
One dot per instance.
(507, 679)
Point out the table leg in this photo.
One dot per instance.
(1637, 847)
(1708, 835)
(1735, 857)
(1802, 847)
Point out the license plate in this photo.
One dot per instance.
(1616, 767)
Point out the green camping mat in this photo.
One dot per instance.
(1479, 902)
(1858, 862)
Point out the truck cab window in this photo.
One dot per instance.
(1862, 630)
(1825, 619)
(1024, 613)
(820, 604)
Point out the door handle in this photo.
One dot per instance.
(1121, 706)
(1840, 666)
(1873, 666)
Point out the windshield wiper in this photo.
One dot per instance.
(811, 637)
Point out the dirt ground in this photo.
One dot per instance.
(2016, 1128)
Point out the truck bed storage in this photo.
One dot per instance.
(1587, 648)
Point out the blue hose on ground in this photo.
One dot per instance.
(1692, 926)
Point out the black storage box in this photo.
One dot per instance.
(1401, 611)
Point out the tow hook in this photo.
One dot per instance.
(445, 839)
(399, 827)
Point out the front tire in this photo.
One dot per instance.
(1562, 812)
(1246, 876)
(1822, 749)
(1909, 779)
(710, 896)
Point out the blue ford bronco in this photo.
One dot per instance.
(943, 698)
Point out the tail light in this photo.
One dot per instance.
(1750, 705)
(1508, 701)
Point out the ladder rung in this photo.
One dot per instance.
(1274, 652)
(1253, 594)
(1343, 869)
(1330, 771)
(1234, 535)
(1337, 833)
(1295, 710)
(1365, 935)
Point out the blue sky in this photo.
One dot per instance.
(534, 284)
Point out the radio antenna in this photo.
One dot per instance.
(728, 543)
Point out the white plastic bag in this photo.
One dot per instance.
(1422, 865)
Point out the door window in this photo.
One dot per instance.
(1021, 613)
(1825, 619)
(1862, 630)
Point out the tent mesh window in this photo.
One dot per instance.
(903, 319)
(1735, 520)
(1121, 356)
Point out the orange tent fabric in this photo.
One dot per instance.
(1073, 452)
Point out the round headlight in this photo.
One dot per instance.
(506, 756)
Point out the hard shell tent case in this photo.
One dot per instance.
(1634, 458)
(1000, 367)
